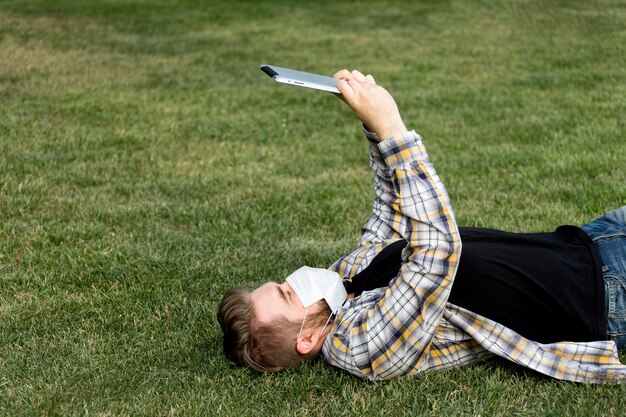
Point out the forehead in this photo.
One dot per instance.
(267, 302)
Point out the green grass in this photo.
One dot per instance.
(147, 165)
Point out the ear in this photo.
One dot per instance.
(311, 341)
(307, 341)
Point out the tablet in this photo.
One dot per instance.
(300, 78)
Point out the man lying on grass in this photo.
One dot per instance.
(407, 299)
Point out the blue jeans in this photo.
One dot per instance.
(608, 233)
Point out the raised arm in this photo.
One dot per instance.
(381, 120)
(388, 333)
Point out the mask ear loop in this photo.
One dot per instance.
(304, 319)
(302, 325)
(326, 324)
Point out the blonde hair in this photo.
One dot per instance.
(262, 347)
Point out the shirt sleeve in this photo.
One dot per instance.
(387, 333)
(385, 224)
(385, 221)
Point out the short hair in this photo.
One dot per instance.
(259, 346)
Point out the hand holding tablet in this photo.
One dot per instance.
(370, 102)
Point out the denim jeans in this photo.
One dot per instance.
(608, 233)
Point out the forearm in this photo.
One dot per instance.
(418, 195)
(384, 222)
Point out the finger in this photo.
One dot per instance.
(359, 76)
(343, 74)
(346, 90)
(371, 79)
(356, 86)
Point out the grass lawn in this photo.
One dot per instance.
(147, 165)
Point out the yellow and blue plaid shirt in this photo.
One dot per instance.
(410, 327)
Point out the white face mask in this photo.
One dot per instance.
(314, 284)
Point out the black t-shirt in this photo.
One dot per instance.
(547, 287)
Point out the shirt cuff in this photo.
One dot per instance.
(407, 148)
(371, 136)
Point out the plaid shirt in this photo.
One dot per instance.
(409, 327)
